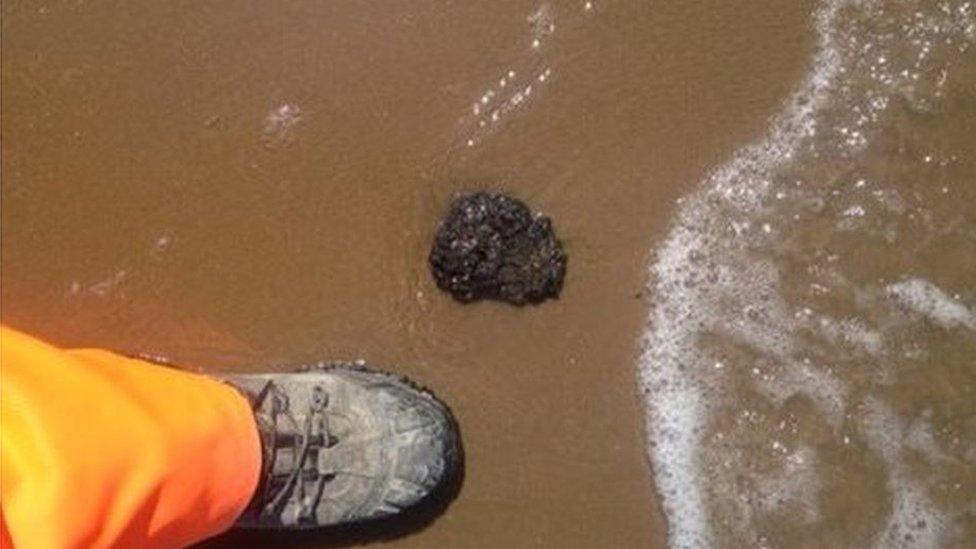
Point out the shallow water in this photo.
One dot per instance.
(233, 185)
(238, 184)
(809, 369)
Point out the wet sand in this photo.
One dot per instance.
(241, 184)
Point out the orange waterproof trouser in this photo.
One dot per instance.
(99, 450)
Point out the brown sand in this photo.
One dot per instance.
(147, 208)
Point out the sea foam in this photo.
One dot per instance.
(787, 303)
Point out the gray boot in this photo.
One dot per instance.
(344, 444)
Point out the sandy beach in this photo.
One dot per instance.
(241, 184)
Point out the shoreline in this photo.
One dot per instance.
(312, 245)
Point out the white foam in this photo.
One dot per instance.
(711, 284)
(852, 333)
(676, 401)
(913, 520)
(924, 298)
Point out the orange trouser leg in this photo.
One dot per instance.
(99, 450)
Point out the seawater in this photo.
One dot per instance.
(809, 365)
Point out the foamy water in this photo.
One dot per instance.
(809, 369)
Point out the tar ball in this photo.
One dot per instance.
(492, 246)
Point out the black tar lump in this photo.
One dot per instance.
(491, 246)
